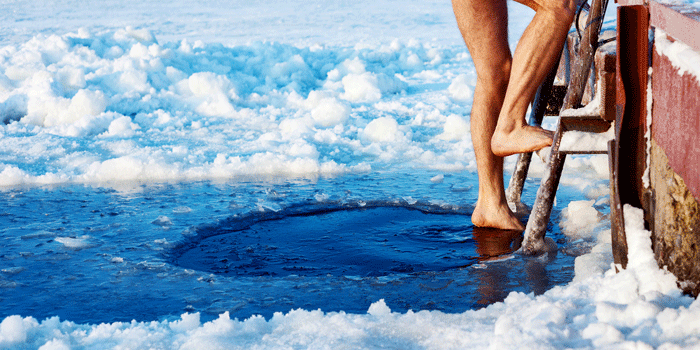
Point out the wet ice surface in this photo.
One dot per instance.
(148, 252)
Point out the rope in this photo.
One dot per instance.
(586, 7)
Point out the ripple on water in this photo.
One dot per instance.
(340, 258)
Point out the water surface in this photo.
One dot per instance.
(94, 254)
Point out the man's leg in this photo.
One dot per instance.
(538, 50)
(484, 27)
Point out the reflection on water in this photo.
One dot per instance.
(492, 244)
(414, 257)
(371, 241)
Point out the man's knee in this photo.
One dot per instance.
(495, 77)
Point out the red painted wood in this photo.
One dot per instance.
(631, 2)
(679, 21)
(630, 126)
(676, 119)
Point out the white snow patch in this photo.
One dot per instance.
(641, 258)
(580, 219)
(582, 141)
(646, 178)
(327, 111)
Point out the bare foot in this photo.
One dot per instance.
(520, 140)
(497, 216)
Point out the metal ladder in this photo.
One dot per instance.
(548, 100)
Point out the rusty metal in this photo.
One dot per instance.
(542, 209)
(627, 155)
(586, 123)
(533, 241)
(671, 205)
(606, 71)
(617, 220)
(555, 100)
(517, 181)
(582, 65)
(539, 217)
(632, 67)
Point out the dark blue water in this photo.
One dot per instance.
(94, 254)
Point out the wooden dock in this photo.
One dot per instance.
(649, 89)
(655, 160)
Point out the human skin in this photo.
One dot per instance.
(506, 84)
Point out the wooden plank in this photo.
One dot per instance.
(630, 124)
(605, 63)
(676, 125)
(631, 2)
(617, 220)
(584, 59)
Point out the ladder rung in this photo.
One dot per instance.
(584, 135)
(589, 123)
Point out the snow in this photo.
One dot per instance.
(591, 109)
(682, 57)
(646, 178)
(580, 217)
(123, 91)
(581, 141)
(130, 93)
